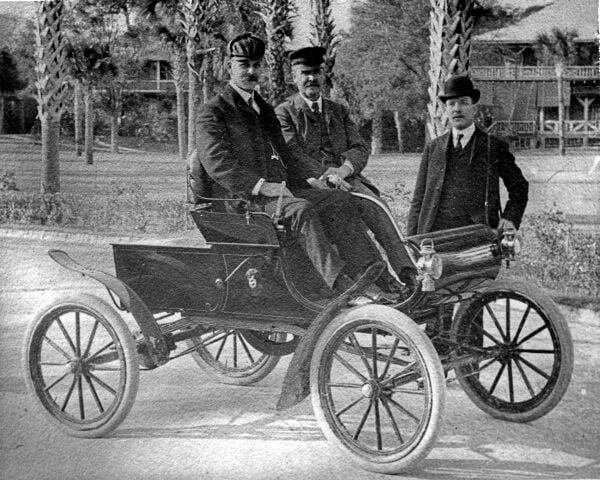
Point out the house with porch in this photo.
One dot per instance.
(520, 88)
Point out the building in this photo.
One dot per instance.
(520, 87)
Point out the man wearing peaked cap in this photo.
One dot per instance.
(327, 149)
(460, 174)
(241, 154)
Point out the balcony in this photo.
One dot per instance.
(572, 128)
(521, 73)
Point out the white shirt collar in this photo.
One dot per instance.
(245, 95)
(310, 102)
(466, 133)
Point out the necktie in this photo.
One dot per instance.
(315, 108)
(251, 104)
(459, 141)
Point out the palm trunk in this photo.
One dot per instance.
(192, 103)
(50, 156)
(377, 134)
(398, 123)
(114, 132)
(179, 80)
(89, 125)
(325, 36)
(77, 117)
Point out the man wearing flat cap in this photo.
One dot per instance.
(242, 154)
(328, 150)
(460, 172)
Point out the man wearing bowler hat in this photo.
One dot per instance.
(328, 150)
(458, 180)
(241, 154)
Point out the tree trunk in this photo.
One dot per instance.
(50, 156)
(1, 113)
(179, 79)
(114, 132)
(207, 77)
(192, 102)
(398, 123)
(89, 125)
(77, 117)
(377, 134)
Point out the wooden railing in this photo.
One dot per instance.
(572, 127)
(507, 128)
(533, 73)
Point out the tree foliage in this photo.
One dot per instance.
(10, 79)
(557, 46)
(382, 61)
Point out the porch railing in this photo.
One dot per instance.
(571, 72)
(573, 128)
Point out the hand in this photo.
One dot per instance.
(505, 224)
(271, 189)
(342, 171)
(337, 182)
(317, 183)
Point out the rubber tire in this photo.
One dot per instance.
(205, 361)
(100, 308)
(558, 322)
(398, 321)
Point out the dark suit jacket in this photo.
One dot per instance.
(428, 188)
(235, 147)
(301, 131)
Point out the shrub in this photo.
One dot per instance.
(35, 208)
(8, 182)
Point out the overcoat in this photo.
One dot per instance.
(234, 150)
(302, 133)
(489, 156)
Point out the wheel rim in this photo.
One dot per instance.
(78, 367)
(229, 353)
(374, 390)
(519, 361)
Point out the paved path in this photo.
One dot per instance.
(185, 426)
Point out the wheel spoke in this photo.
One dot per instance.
(102, 384)
(80, 393)
(362, 421)
(89, 359)
(57, 381)
(507, 319)
(496, 322)
(57, 348)
(205, 342)
(374, 354)
(524, 377)
(345, 385)
(497, 379)
(408, 391)
(486, 333)
(235, 342)
(389, 359)
(246, 349)
(94, 393)
(346, 364)
(532, 334)
(222, 346)
(361, 352)
(399, 375)
(402, 409)
(66, 334)
(378, 424)
(349, 406)
(534, 350)
(77, 335)
(68, 397)
(394, 424)
(533, 367)
(53, 364)
(511, 390)
(522, 322)
(90, 340)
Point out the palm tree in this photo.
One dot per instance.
(325, 36)
(277, 17)
(451, 28)
(52, 87)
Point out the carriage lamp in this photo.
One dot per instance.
(430, 265)
(510, 245)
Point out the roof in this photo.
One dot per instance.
(541, 16)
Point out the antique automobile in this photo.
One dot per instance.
(239, 297)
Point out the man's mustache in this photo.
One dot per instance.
(251, 78)
(311, 84)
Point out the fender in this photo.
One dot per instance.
(296, 384)
(156, 345)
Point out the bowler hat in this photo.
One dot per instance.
(247, 46)
(309, 56)
(459, 86)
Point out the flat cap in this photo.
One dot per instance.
(309, 56)
(247, 46)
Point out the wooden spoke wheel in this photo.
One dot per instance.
(226, 356)
(523, 351)
(81, 365)
(377, 388)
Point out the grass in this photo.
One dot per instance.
(145, 193)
